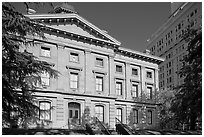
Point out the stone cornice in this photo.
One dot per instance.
(73, 18)
(139, 55)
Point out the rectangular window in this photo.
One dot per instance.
(45, 79)
(149, 93)
(119, 68)
(45, 110)
(99, 62)
(99, 112)
(119, 114)
(134, 90)
(134, 72)
(45, 51)
(74, 80)
(135, 116)
(149, 74)
(74, 57)
(149, 117)
(119, 88)
(99, 83)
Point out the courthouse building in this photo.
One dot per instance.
(167, 41)
(96, 72)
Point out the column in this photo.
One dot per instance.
(127, 81)
(143, 85)
(88, 72)
(60, 115)
(156, 83)
(62, 80)
(112, 114)
(111, 76)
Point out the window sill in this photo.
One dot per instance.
(99, 66)
(75, 62)
(45, 56)
(119, 72)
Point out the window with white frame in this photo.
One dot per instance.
(149, 93)
(45, 110)
(135, 90)
(74, 80)
(149, 74)
(99, 112)
(135, 116)
(119, 114)
(45, 51)
(74, 57)
(118, 88)
(99, 62)
(119, 68)
(45, 79)
(149, 117)
(99, 83)
(134, 71)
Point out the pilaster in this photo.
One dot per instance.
(143, 83)
(88, 72)
(127, 81)
(111, 76)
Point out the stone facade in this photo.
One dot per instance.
(78, 48)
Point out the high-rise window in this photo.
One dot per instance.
(134, 72)
(119, 68)
(118, 88)
(149, 93)
(99, 112)
(134, 90)
(119, 114)
(149, 117)
(45, 110)
(45, 51)
(74, 79)
(135, 116)
(99, 62)
(74, 57)
(99, 83)
(45, 79)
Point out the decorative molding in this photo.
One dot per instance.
(99, 72)
(74, 68)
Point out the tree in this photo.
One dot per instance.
(20, 70)
(187, 104)
(166, 116)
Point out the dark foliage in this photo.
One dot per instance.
(20, 70)
(187, 104)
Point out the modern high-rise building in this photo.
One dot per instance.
(167, 41)
(96, 74)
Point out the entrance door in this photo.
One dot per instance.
(74, 112)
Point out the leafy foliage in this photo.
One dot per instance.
(166, 116)
(20, 70)
(187, 104)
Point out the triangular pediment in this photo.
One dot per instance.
(73, 23)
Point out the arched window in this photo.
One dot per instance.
(119, 114)
(99, 112)
(45, 110)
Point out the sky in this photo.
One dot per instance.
(131, 23)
